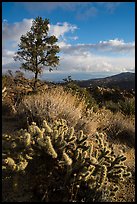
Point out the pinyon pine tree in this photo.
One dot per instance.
(37, 49)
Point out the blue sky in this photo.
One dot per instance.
(96, 38)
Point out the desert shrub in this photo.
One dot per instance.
(103, 94)
(7, 109)
(91, 121)
(52, 104)
(7, 79)
(66, 166)
(128, 106)
(14, 88)
(82, 93)
(121, 128)
(7, 102)
(114, 107)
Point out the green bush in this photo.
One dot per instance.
(65, 164)
(114, 107)
(128, 106)
(121, 129)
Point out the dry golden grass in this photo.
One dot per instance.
(121, 128)
(90, 123)
(55, 103)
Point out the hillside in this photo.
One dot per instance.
(124, 80)
(61, 144)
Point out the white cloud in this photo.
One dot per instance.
(63, 44)
(50, 6)
(88, 62)
(87, 13)
(13, 32)
(74, 38)
(109, 6)
(60, 29)
(116, 45)
(7, 56)
(95, 58)
(113, 46)
(73, 58)
(90, 8)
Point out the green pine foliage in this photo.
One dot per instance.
(37, 49)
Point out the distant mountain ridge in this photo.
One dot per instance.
(125, 80)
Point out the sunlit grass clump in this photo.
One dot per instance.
(52, 104)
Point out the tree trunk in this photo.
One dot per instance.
(35, 81)
(36, 74)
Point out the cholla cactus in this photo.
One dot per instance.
(82, 162)
(11, 163)
(47, 127)
(4, 93)
(27, 139)
(67, 159)
(15, 167)
(50, 148)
